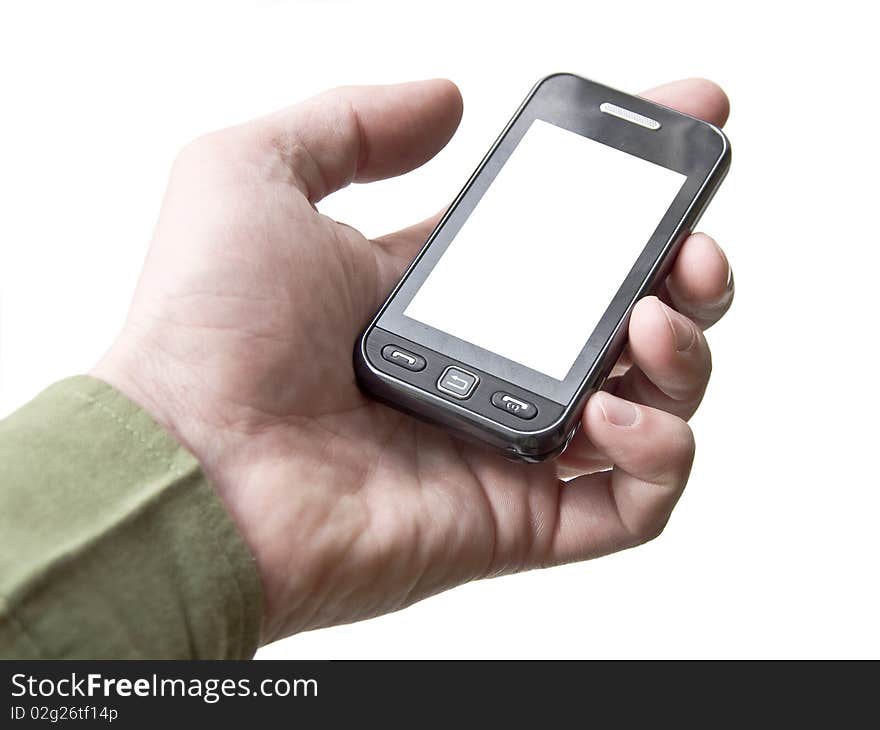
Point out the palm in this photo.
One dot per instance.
(286, 301)
(247, 312)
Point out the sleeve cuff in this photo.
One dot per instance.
(112, 542)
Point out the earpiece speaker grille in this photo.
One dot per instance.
(629, 116)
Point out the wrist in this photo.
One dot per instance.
(166, 393)
(132, 370)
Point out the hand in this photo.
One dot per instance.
(240, 336)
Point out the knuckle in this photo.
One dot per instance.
(669, 464)
(691, 382)
(648, 524)
(652, 529)
(684, 444)
(294, 157)
(202, 145)
(209, 150)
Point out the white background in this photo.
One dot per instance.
(773, 550)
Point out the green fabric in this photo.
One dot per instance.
(112, 542)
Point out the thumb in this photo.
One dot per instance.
(398, 249)
(363, 133)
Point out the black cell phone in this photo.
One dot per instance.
(516, 308)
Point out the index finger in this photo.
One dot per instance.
(699, 98)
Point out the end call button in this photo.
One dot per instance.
(516, 406)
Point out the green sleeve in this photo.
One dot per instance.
(112, 542)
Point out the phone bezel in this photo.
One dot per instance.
(690, 146)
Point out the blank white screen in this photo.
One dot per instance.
(536, 264)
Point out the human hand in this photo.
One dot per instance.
(239, 341)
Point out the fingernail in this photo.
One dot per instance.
(730, 284)
(684, 333)
(728, 289)
(720, 252)
(617, 411)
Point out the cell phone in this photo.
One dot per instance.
(516, 308)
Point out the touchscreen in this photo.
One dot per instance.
(537, 262)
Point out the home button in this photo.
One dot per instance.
(457, 382)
